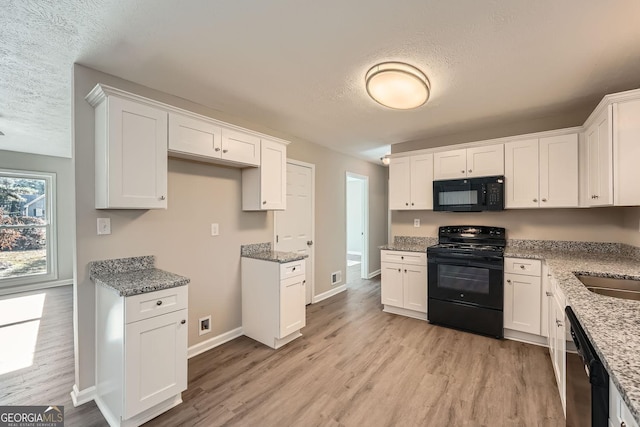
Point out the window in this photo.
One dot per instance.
(27, 232)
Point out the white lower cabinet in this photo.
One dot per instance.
(557, 337)
(619, 413)
(522, 295)
(404, 283)
(141, 354)
(273, 300)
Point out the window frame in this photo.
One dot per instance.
(50, 229)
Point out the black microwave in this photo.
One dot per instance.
(469, 195)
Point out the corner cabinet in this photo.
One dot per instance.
(273, 300)
(130, 152)
(265, 187)
(411, 182)
(141, 354)
(404, 283)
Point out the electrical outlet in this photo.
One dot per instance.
(204, 325)
(104, 226)
(215, 229)
(416, 222)
(336, 277)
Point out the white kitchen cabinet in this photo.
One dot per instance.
(273, 300)
(264, 188)
(599, 144)
(141, 353)
(542, 172)
(626, 153)
(193, 137)
(130, 151)
(411, 182)
(619, 413)
(560, 359)
(486, 160)
(241, 147)
(522, 295)
(404, 283)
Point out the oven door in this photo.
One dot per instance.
(459, 195)
(468, 280)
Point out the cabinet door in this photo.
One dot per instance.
(521, 174)
(551, 329)
(626, 153)
(522, 303)
(559, 171)
(292, 305)
(400, 183)
(600, 150)
(197, 137)
(137, 167)
(422, 181)
(485, 161)
(155, 361)
(560, 356)
(273, 175)
(240, 147)
(544, 301)
(450, 164)
(391, 284)
(415, 287)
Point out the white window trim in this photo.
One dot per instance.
(52, 235)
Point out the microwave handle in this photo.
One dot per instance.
(484, 194)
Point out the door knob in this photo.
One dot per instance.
(309, 242)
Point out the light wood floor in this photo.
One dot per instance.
(354, 366)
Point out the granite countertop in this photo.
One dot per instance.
(612, 324)
(410, 244)
(263, 251)
(133, 276)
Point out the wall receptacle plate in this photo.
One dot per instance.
(215, 229)
(104, 226)
(416, 222)
(204, 325)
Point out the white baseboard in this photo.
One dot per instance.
(329, 293)
(81, 397)
(354, 253)
(35, 286)
(404, 312)
(214, 342)
(374, 273)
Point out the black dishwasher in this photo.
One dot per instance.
(587, 381)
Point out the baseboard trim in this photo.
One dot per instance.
(81, 397)
(34, 287)
(323, 296)
(405, 312)
(214, 342)
(374, 274)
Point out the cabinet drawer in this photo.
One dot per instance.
(528, 267)
(292, 269)
(153, 304)
(414, 258)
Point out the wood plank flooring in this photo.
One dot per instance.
(354, 366)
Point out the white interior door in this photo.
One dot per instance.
(294, 226)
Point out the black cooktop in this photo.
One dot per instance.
(470, 239)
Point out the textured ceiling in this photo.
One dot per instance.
(298, 66)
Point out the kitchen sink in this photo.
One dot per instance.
(618, 288)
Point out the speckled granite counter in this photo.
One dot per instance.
(263, 251)
(133, 276)
(410, 244)
(612, 324)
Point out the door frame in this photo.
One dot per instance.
(364, 261)
(312, 256)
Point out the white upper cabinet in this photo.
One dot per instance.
(240, 147)
(194, 137)
(265, 187)
(487, 160)
(411, 182)
(542, 172)
(599, 144)
(130, 152)
(626, 153)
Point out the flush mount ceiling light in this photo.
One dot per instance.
(397, 85)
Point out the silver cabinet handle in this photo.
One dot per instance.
(216, 149)
(549, 294)
(183, 321)
(162, 197)
(159, 303)
(535, 200)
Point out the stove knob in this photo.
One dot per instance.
(461, 295)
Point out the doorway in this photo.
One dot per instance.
(357, 220)
(294, 227)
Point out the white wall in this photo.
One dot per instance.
(65, 213)
(354, 216)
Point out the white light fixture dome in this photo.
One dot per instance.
(397, 85)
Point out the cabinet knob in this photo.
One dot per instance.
(522, 266)
(158, 302)
(399, 271)
(264, 202)
(549, 294)
(405, 270)
(544, 200)
(183, 321)
(412, 204)
(225, 151)
(462, 171)
(508, 280)
(558, 323)
(597, 197)
(293, 269)
(407, 204)
(470, 171)
(216, 149)
(623, 424)
(535, 200)
(402, 257)
(162, 197)
(304, 282)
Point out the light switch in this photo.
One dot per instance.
(215, 230)
(416, 222)
(104, 226)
